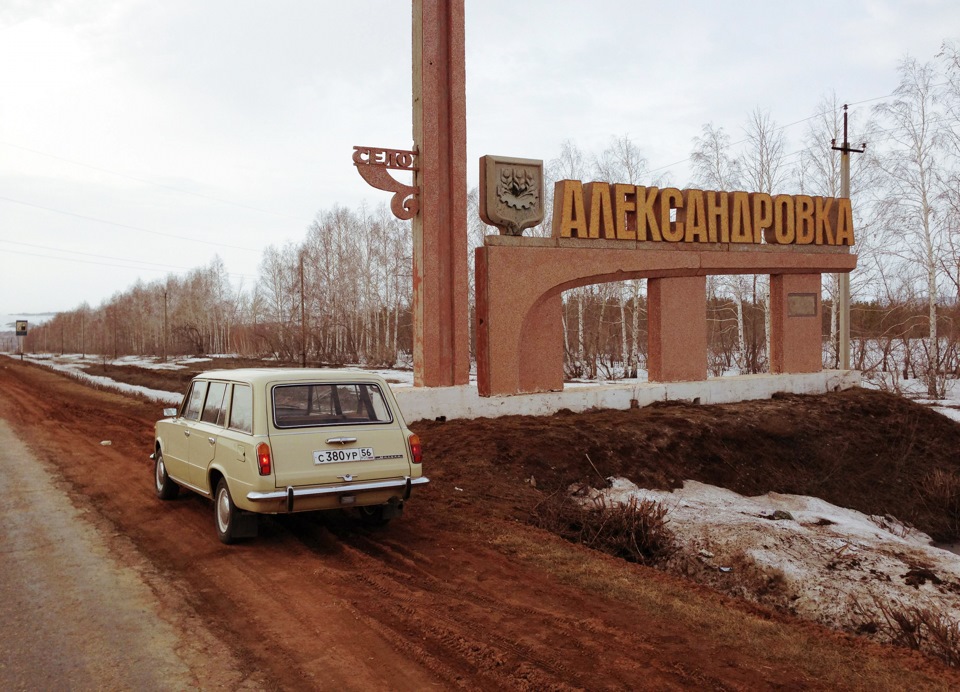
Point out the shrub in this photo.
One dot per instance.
(940, 493)
(635, 531)
(927, 629)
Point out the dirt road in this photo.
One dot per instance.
(457, 593)
(70, 612)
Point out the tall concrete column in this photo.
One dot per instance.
(441, 355)
(796, 330)
(677, 329)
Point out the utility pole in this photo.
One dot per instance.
(303, 322)
(116, 352)
(164, 326)
(843, 280)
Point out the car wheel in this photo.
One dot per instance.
(373, 515)
(164, 485)
(227, 514)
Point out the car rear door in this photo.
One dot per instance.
(205, 433)
(326, 433)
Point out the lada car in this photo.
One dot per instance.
(274, 440)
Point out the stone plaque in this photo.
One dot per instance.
(511, 193)
(802, 305)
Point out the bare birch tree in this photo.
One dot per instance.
(715, 168)
(911, 179)
(623, 162)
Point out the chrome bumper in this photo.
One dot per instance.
(292, 492)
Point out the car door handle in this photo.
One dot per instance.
(212, 440)
(341, 440)
(186, 433)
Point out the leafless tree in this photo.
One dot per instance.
(912, 180)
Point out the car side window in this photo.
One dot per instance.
(214, 405)
(241, 410)
(195, 400)
(225, 409)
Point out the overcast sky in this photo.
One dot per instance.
(139, 138)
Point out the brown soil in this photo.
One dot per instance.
(462, 591)
(862, 449)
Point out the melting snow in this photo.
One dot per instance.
(75, 366)
(823, 563)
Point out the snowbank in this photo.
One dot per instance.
(75, 367)
(802, 554)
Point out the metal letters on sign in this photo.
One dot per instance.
(373, 163)
(21, 327)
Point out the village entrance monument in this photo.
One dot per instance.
(602, 232)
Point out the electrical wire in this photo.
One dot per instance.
(792, 124)
(120, 266)
(127, 226)
(150, 182)
(147, 265)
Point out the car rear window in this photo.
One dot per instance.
(305, 405)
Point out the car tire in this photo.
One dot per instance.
(373, 515)
(166, 488)
(226, 514)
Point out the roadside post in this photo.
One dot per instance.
(21, 332)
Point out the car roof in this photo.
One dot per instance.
(260, 376)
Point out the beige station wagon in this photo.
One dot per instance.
(275, 440)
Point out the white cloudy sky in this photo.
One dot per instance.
(139, 138)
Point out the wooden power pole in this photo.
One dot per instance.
(843, 280)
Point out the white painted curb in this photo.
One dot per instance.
(418, 403)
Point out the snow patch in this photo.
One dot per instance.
(802, 554)
(76, 368)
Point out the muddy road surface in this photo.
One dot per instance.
(71, 612)
(458, 593)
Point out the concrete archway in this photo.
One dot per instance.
(519, 282)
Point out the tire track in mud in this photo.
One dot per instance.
(456, 629)
(462, 621)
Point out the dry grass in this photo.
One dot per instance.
(940, 492)
(636, 531)
(811, 654)
(926, 629)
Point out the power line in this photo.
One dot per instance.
(88, 254)
(120, 266)
(150, 182)
(796, 122)
(127, 226)
(147, 265)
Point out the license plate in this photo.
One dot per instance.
(333, 456)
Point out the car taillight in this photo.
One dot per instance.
(263, 458)
(416, 450)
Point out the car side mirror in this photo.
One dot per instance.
(170, 412)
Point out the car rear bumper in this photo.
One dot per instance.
(291, 493)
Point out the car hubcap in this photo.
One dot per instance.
(223, 510)
(161, 474)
